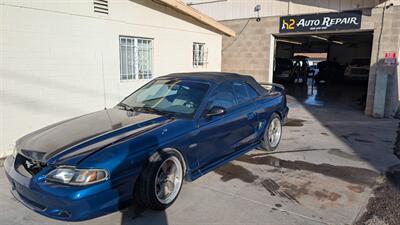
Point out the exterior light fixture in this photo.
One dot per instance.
(257, 9)
(290, 42)
(338, 42)
(320, 38)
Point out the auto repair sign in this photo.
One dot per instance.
(320, 22)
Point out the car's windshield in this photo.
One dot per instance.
(177, 97)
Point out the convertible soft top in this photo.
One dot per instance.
(217, 78)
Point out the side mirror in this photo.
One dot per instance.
(215, 111)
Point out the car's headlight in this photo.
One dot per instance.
(73, 176)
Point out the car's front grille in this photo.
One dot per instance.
(33, 203)
(22, 170)
(26, 166)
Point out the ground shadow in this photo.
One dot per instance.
(339, 106)
(137, 215)
(341, 109)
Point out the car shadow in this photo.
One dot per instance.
(137, 215)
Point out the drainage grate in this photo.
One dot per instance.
(100, 6)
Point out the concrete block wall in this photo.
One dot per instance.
(54, 58)
(388, 42)
(249, 51)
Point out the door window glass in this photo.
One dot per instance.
(250, 90)
(223, 96)
(240, 92)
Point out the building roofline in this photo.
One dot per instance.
(197, 15)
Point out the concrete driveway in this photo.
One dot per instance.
(323, 173)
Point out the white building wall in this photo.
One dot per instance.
(57, 57)
(238, 9)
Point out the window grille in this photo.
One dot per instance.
(200, 55)
(136, 58)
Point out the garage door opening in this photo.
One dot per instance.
(325, 69)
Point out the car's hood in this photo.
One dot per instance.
(86, 133)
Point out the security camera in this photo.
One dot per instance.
(257, 10)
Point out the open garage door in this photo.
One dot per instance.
(325, 69)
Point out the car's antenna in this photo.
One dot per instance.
(104, 82)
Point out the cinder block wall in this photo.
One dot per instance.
(388, 42)
(249, 51)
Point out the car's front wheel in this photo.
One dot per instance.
(161, 181)
(272, 134)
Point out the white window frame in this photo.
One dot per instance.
(136, 62)
(200, 54)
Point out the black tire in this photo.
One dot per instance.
(265, 141)
(146, 192)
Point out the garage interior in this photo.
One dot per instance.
(336, 67)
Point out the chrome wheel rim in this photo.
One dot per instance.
(274, 132)
(168, 180)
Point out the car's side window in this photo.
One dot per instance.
(250, 90)
(240, 91)
(222, 96)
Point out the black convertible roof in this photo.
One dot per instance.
(216, 77)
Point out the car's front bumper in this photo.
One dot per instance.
(64, 202)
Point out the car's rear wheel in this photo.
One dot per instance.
(161, 181)
(272, 134)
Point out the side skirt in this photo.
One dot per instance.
(212, 166)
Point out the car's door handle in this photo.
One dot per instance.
(251, 115)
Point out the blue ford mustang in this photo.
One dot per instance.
(175, 127)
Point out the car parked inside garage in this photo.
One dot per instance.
(358, 69)
(283, 70)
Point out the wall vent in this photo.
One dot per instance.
(100, 6)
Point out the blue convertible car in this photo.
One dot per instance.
(175, 127)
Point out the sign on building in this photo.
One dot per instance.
(390, 59)
(320, 22)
